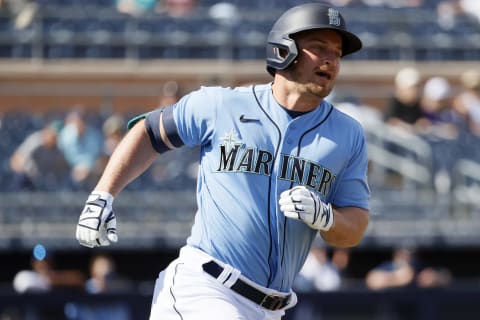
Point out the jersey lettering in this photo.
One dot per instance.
(301, 171)
(263, 162)
(326, 182)
(307, 173)
(245, 163)
(227, 162)
(252, 160)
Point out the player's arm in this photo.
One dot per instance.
(340, 227)
(97, 224)
(349, 226)
(131, 158)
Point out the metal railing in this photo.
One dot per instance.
(163, 220)
(394, 149)
(146, 219)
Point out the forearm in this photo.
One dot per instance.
(349, 227)
(131, 158)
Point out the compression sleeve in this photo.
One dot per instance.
(162, 130)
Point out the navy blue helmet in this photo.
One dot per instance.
(301, 18)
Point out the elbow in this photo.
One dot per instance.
(350, 242)
(360, 232)
(346, 242)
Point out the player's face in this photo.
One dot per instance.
(318, 62)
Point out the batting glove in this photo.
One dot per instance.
(97, 225)
(304, 205)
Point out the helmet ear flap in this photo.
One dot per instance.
(281, 53)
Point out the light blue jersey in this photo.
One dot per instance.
(251, 151)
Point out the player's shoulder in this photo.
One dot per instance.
(348, 120)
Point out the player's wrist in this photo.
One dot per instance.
(326, 217)
(103, 195)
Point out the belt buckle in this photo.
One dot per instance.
(274, 301)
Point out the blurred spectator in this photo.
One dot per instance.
(398, 272)
(450, 12)
(135, 7)
(103, 279)
(402, 113)
(393, 3)
(342, 3)
(447, 12)
(341, 260)
(403, 108)
(430, 277)
(172, 8)
(405, 270)
(43, 275)
(471, 8)
(38, 164)
(169, 95)
(442, 126)
(438, 115)
(177, 8)
(81, 144)
(24, 11)
(114, 128)
(468, 99)
(320, 272)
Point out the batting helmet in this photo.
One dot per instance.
(301, 18)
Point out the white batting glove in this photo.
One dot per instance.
(97, 225)
(304, 205)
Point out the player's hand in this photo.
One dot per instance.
(97, 225)
(304, 205)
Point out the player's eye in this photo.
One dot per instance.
(323, 50)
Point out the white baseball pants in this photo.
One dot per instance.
(183, 291)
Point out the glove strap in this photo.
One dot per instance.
(97, 195)
(327, 216)
(324, 218)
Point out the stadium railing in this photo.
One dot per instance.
(466, 189)
(162, 220)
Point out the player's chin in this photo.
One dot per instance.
(320, 90)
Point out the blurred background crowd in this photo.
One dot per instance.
(72, 73)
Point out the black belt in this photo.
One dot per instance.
(268, 301)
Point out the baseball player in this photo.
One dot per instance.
(278, 166)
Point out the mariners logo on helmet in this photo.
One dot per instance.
(334, 17)
(281, 48)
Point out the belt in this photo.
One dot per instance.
(268, 301)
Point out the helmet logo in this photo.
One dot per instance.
(333, 17)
